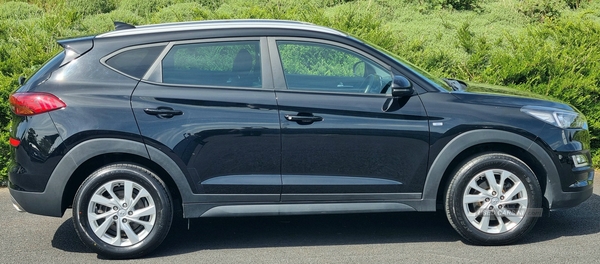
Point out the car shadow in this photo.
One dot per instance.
(578, 221)
(325, 230)
(66, 239)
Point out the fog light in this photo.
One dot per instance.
(580, 160)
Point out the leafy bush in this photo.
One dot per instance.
(92, 7)
(97, 23)
(428, 5)
(5, 148)
(541, 10)
(144, 8)
(574, 4)
(210, 4)
(18, 10)
(181, 12)
(466, 38)
(462, 4)
(127, 16)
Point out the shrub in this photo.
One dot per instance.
(209, 4)
(181, 12)
(97, 24)
(126, 16)
(143, 8)
(5, 148)
(428, 5)
(541, 10)
(92, 7)
(574, 4)
(18, 10)
(466, 38)
(462, 4)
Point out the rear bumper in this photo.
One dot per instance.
(16, 205)
(43, 203)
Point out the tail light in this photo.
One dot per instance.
(27, 104)
(14, 142)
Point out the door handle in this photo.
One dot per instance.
(303, 119)
(163, 112)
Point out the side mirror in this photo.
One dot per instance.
(401, 87)
(21, 80)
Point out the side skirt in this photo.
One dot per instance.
(195, 210)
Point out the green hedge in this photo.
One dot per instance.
(527, 44)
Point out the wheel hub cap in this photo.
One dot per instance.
(482, 204)
(121, 213)
(495, 201)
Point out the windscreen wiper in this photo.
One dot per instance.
(457, 85)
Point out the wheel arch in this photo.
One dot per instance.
(95, 163)
(88, 156)
(476, 142)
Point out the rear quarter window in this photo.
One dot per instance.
(135, 62)
(44, 72)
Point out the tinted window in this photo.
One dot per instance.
(135, 62)
(214, 64)
(322, 67)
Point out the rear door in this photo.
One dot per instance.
(209, 106)
(343, 136)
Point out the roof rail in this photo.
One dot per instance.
(214, 24)
(122, 25)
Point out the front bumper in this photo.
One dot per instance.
(570, 190)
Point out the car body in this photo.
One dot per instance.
(264, 117)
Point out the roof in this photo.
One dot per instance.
(220, 24)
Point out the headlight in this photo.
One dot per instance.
(557, 117)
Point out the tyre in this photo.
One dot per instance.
(493, 199)
(122, 211)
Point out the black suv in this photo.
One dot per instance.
(256, 117)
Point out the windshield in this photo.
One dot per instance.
(433, 80)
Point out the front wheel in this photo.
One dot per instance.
(122, 211)
(493, 199)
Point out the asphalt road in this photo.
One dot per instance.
(571, 235)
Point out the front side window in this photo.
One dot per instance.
(234, 63)
(327, 68)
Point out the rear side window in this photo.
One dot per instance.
(135, 62)
(231, 63)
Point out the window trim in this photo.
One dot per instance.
(154, 75)
(279, 75)
(115, 53)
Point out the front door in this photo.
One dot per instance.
(343, 136)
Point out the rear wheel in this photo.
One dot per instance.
(122, 211)
(493, 199)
